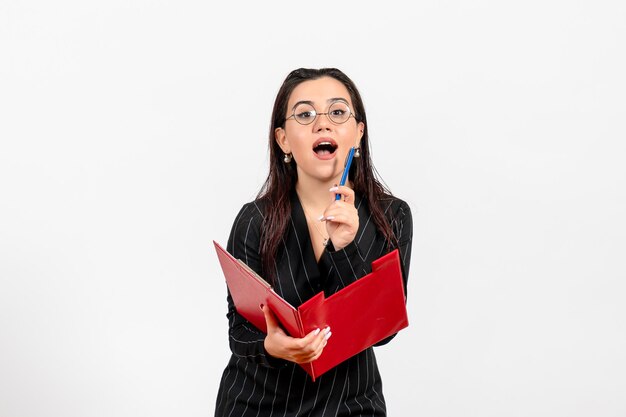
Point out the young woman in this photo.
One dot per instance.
(296, 235)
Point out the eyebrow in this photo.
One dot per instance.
(311, 103)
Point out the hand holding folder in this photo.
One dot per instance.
(360, 315)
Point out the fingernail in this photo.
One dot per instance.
(327, 329)
(328, 335)
(317, 332)
(320, 218)
(330, 217)
(334, 188)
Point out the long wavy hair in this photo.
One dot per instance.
(282, 177)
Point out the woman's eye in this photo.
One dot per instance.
(338, 112)
(304, 115)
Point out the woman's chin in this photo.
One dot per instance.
(322, 174)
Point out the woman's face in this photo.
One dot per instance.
(319, 148)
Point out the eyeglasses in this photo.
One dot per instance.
(305, 114)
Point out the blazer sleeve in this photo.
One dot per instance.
(348, 264)
(345, 265)
(245, 340)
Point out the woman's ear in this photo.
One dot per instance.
(281, 139)
(361, 128)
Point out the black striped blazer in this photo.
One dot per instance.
(256, 384)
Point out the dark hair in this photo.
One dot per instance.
(282, 177)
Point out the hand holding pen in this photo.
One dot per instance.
(342, 218)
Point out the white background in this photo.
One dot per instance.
(131, 132)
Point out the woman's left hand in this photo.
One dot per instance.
(342, 217)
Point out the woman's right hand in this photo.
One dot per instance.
(299, 350)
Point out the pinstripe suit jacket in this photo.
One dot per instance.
(256, 384)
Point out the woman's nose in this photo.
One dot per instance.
(321, 123)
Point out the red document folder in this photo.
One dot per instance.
(360, 315)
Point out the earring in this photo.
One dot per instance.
(357, 152)
(287, 158)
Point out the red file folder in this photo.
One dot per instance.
(360, 315)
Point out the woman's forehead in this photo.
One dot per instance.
(319, 91)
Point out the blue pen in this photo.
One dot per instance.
(344, 176)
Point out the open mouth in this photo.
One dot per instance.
(324, 147)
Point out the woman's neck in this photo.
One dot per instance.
(314, 194)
